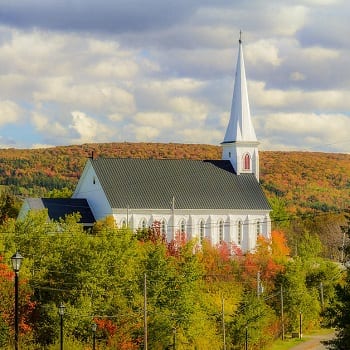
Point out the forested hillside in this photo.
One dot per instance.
(304, 180)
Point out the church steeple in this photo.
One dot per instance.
(240, 142)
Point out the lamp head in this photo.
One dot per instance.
(61, 309)
(16, 260)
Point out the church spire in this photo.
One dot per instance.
(240, 126)
(240, 144)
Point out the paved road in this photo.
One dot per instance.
(314, 342)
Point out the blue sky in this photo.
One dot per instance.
(74, 72)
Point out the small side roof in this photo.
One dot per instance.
(60, 207)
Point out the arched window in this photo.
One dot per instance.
(143, 224)
(239, 232)
(258, 228)
(246, 162)
(123, 223)
(163, 227)
(182, 226)
(201, 231)
(221, 231)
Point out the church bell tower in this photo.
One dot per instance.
(240, 144)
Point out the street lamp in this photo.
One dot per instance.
(61, 309)
(16, 260)
(94, 328)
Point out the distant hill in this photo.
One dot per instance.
(304, 180)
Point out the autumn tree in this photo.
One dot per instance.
(26, 306)
(266, 262)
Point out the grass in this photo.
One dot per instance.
(288, 343)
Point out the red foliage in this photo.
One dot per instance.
(116, 335)
(27, 306)
(5, 272)
(174, 247)
(106, 326)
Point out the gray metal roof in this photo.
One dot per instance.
(195, 184)
(58, 208)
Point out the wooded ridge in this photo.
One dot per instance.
(304, 180)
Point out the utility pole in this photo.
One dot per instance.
(259, 287)
(282, 312)
(173, 215)
(321, 292)
(127, 216)
(174, 338)
(223, 323)
(145, 347)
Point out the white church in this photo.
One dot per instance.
(218, 200)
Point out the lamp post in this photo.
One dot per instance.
(94, 328)
(16, 260)
(61, 309)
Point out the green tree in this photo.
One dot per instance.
(279, 215)
(8, 207)
(253, 322)
(340, 313)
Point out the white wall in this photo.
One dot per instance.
(90, 188)
(192, 224)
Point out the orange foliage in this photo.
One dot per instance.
(217, 261)
(280, 250)
(268, 259)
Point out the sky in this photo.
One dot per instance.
(93, 71)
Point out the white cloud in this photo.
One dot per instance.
(336, 100)
(87, 128)
(116, 117)
(305, 131)
(10, 112)
(296, 76)
(174, 85)
(40, 121)
(114, 69)
(188, 108)
(317, 53)
(145, 133)
(286, 20)
(322, 2)
(262, 52)
(154, 119)
(48, 126)
(88, 96)
(197, 135)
